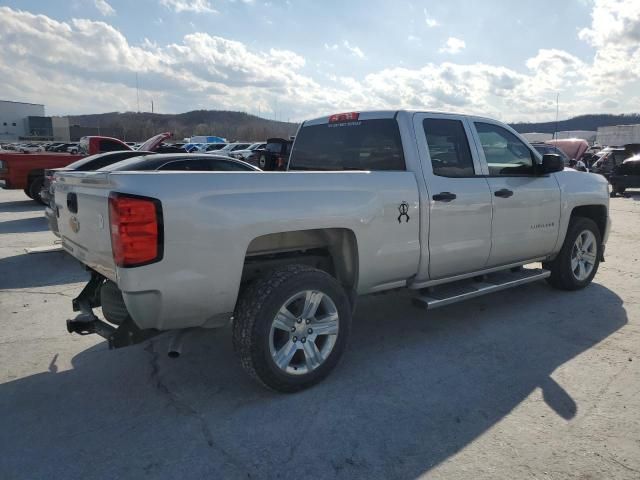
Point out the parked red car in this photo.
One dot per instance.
(26, 170)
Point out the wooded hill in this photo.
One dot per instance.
(583, 122)
(131, 126)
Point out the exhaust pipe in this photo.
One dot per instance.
(175, 347)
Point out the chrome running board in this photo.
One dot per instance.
(457, 292)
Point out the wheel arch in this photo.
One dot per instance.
(35, 173)
(333, 250)
(597, 213)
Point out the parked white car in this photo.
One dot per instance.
(448, 206)
(30, 148)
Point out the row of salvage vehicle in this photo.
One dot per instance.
(32, 172)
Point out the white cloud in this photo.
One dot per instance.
(615, 34)
(194, 6)
(453, 45)
(104, 8)
(430, 21)
(355, 51)
(352, 49)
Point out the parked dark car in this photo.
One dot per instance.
(170, 148)
(626, 175)
(182, 162)
(86, 164)
(247, 153)
(62, 147)
(52, 146)
(609, 159)
(274, 156)
(212, 147)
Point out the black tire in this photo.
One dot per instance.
(34, 189)
(619, 190)
(256, 311)
(27, 193)
(562, 275)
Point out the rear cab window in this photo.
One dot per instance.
(348, 143)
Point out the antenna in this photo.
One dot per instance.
(137, 93)
(555, 134)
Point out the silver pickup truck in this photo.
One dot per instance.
(449, 206)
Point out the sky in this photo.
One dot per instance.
(297, 59)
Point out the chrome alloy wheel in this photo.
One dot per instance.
(304, 332)
(583, 255)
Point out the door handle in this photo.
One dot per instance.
(504, 193)
(444, 197)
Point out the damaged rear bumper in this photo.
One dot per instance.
(121, 331)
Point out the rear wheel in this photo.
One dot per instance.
(35, 187)
(28, 193)
(291, 327)
(578, 260)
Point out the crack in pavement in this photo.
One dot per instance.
(35, 292)
(184, 408)
(623, 465)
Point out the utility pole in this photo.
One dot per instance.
(555, 134)
(137, 93)
(152, 106)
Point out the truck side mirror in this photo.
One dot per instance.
(551, 163)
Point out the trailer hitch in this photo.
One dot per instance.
(87, 323)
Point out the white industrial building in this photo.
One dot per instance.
(587, 135)
(618, 135)
(14, 119)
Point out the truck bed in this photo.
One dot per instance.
(210, 219)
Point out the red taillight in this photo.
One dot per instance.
(136, 230)
(344, 117)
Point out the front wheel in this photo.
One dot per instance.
(291, 327)
(578, 260)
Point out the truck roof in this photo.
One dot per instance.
(379, 114)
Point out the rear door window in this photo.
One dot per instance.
(448, 148)
(357, 145)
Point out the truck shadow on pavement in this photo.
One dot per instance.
(413, 389)
(24, 225)
(40, 270)
(20, 206)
